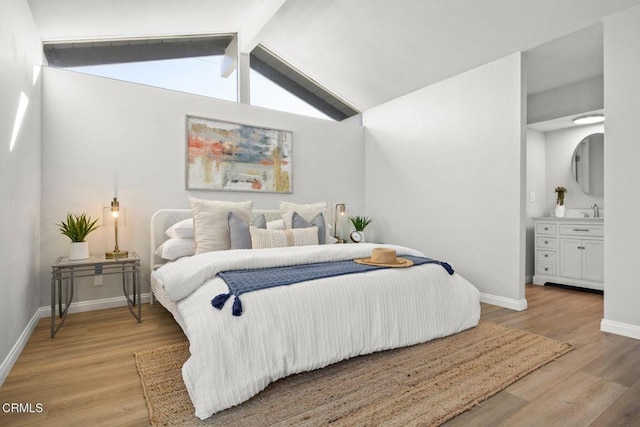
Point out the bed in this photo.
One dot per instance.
(285, 330)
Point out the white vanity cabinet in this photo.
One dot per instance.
(569, 251)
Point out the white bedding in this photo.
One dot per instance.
(291, 329)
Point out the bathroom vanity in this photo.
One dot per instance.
(569, 251)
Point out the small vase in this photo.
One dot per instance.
(78, 251)
(362, 234)
(560, 211)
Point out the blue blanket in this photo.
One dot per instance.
(243, 281)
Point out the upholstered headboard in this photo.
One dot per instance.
(165, 218)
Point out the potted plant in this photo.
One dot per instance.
(560, 208)
(77, 227)
(359, 223)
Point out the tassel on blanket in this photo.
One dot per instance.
(237, 307)
(219, 301)
(447, 267)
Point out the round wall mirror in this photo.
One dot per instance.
(587, 164)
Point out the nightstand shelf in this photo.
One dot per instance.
(64, 271)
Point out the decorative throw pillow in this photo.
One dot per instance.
(317, 221)
(261, 239)
(278, 224)
(239, 234)
(181, 230)
(175, 248)
(307, 211)
(211, 222)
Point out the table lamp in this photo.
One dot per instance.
(340, 211)
(114, 215)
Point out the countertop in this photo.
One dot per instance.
(568, 219)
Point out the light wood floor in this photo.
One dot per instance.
(87, 374)
(596, 384)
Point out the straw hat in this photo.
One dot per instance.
(384, 257)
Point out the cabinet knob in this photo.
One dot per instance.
(546, 242)
(546, 255)
(546, 269)
(581, 229)
(546, 228)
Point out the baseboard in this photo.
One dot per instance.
(98, 304)
(619, 328)
(75, 307)
(510, 303)
(11, 358)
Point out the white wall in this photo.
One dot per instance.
(536, 184)
(20, 52)
(103, 136)
(445, 174)
(622, 175)
(580, 97)
(559, 151)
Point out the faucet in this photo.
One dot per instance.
(596, 211)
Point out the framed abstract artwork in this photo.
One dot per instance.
(225, 156)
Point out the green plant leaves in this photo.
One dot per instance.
(360, 222)
(77, 227)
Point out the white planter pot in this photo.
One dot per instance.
(560, 211)
(78, 250)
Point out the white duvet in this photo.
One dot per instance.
(305, 326)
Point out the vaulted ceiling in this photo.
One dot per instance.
(366, 51)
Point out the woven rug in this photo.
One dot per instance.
(426, 384)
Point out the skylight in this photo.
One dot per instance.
(195, 64)
(199, 75)
(265, 93)
(189, 64)
(274, 68)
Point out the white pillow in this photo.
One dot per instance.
(265, 238)
(181, 230)
(211, 222)
(278, 224)
(176, 248)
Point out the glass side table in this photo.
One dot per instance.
(64, 271)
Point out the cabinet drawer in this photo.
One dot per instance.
(546, 228)
(547, 257)
(582, 230)
(546, 269)
(546, 242)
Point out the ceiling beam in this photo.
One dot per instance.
(80, 53)
(264, 13)
(230, 58)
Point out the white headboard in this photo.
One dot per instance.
(165, 218)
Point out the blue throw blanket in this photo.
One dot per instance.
(243, 281)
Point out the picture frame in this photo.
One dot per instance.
(228, 156)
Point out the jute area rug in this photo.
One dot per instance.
(426, 384)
